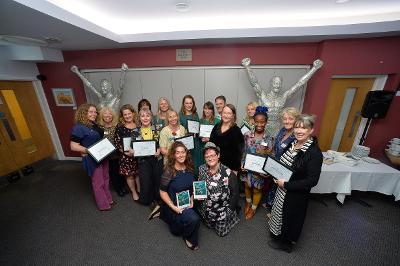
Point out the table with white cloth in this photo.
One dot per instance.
(342, 179)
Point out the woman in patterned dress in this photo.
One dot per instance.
(304, 157)
(258, 143)
(219, 209)
(127, 163)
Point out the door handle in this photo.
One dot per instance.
(353, 125)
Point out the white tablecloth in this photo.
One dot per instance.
(342, 179)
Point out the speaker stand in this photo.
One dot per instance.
(362, 139)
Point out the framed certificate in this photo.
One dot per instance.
(193, 126)
(277, 169)
(127, 143)
(245, 129)
(199, 190)
(254, 163)
(183, 199)
(143, 148)
(101, 149)
(187, 140)
(205, 130)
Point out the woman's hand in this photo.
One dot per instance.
(176, 209)
(280, 182)
(191, 202)
(129, 152)
(157, 152)
(205, 139)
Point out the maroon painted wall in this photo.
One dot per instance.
(341, 57)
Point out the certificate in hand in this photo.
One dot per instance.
(193, 126)
(127, 143)
(199, 190)
(188, 141)
(254, 163)
(101, 149)
(144, 148)
(245, 129)
(277, 169)
(205, 130)
(183, 199)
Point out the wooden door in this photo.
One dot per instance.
(24, 134)
(342, 114)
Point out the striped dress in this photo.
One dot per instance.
(275, 223)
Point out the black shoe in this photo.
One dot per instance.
(120, 193)
(125, 190)
(281, 245)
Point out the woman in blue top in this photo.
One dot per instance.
(177, 177)
(84, 134)
(284, 137)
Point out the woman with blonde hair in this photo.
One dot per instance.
(170, 132)
(160, 119)
(127, 162)
(107, 121)
(249, 119)
(84, 134)
(284, 137)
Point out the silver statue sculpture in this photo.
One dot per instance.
(105, 94)
(273, 98)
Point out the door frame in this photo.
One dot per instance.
(379, 84)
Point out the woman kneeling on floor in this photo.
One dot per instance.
(219, 209)
(178, 177)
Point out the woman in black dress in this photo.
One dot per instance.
(304, 157)
(228, 137)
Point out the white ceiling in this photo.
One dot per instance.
(92, 24)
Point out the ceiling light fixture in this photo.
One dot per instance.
(341, 1)
(12, 39)
(182, 6)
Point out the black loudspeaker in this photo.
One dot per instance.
(376, 104)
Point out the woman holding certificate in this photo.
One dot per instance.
(176, 192)
(284, 137)
(84, 134)
(258, 143)
(189, 112)
(218, 209)
(124, 134)
(208, 119)
(170, 132)
(228, 137)
(304, 158)
(108, 121)
(150, 167)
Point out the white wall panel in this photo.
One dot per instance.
(188, 81)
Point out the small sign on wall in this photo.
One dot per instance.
(183, 55)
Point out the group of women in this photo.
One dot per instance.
(217, 160)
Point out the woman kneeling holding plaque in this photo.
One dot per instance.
(218, 208)
(304, 158)
(176, 190)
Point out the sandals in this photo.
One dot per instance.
(190, 245)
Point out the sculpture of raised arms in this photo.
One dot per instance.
(272, 97)
(105, 94)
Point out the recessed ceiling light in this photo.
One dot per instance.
(182, 6)
(341, 1)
